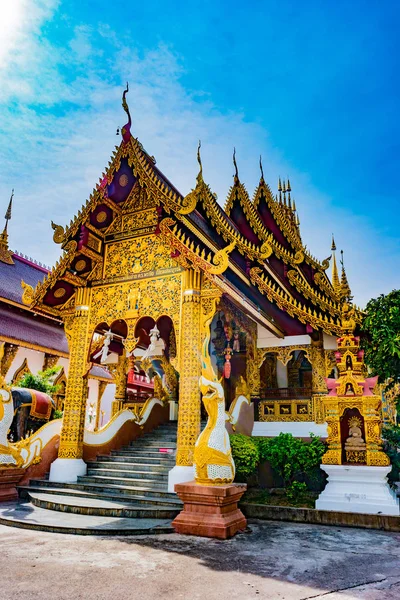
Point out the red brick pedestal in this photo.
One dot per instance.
(9, 479)
(210, 510)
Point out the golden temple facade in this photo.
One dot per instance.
(143, 266)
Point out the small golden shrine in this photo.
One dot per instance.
(353, 411)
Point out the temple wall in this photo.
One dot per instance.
(34, 359)
(330, 342)
(266, 340)
(302, 429)
(91, 404)
(63, 362)
(281, 374)
(106, 402)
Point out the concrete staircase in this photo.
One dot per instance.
(124, 493)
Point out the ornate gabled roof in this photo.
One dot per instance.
(21, 328)
(12, 273)
(256, 244)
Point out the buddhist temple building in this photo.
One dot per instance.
(142, 266)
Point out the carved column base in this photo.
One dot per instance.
(67, 470)
(210, 510)
(9, 479)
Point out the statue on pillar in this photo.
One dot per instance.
(156, 346)
(105, 349)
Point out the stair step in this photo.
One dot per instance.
(80, 492)
(99, 472)
(28, 516)
(147, 484)
(101, 507)
(139, 459)
(123, 493)
(129, 466)
(159, 442)
(146, 453)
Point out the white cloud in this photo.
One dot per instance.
(54, 156)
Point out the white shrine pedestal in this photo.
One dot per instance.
(358, 489)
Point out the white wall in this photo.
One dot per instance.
(63, 362)
(266, 340)
(299, 429)
(35, 362)
(106, 401)
(330, 342)
(93, 391)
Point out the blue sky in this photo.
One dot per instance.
(312, 86)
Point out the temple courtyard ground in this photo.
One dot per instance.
(279, 561)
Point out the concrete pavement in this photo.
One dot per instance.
(274, 561)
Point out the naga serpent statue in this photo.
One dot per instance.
(212, 453)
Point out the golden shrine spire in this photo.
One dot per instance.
(5, 253)
(335, 274)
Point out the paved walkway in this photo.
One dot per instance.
(274, 561)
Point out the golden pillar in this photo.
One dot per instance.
(71, 442)
(190, 369)
(319, 389)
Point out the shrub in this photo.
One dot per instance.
(296, 492)
(292, 458)
(58, 414)
(391, 436)
(245, 454)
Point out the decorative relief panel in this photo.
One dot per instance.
(285, 410)
(137, 255)
(156, 297)
(139, 220)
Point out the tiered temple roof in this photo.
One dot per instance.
(253, 249)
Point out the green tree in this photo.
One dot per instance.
(42, 382)
(381, 342)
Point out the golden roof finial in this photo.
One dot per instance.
(261, 169)
(200, 174)
(289, 189)
(7, 216)
(289, 201)
(345, 291)
(279, 185)
(236, 176)
(284, 187)
(294, 205)
(126, 129)
(335, 274)
(5, 253)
